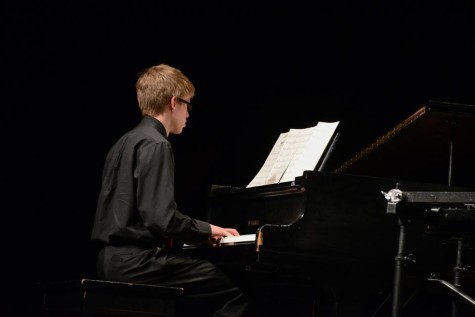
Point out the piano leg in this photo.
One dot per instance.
(277, 292)
(462, 303)
(401, 259)
(281, 296)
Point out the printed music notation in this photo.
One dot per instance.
(294, 152)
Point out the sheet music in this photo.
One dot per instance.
(294, 152)
(273, 168)
(309, 148)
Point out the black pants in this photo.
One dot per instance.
(208, 291)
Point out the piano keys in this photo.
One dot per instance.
(227, 241)
(233, 240)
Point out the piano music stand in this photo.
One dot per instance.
(463, 213)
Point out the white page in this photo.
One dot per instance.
(265, 173)
(293, 153)
(310, 146)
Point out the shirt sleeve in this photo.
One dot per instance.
(154, 174)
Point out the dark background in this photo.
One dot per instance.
(68, 74)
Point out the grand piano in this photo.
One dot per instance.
(323, 244)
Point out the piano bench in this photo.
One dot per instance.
(89, 297)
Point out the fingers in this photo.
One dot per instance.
(232, 232)
(223, 232)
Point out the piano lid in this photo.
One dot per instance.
(433, 145)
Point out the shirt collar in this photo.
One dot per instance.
(155, 123)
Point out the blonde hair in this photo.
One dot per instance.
(156, 85)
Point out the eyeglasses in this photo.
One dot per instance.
(189, 106)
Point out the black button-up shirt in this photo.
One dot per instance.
(136, 204)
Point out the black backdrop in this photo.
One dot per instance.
(68, 73)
